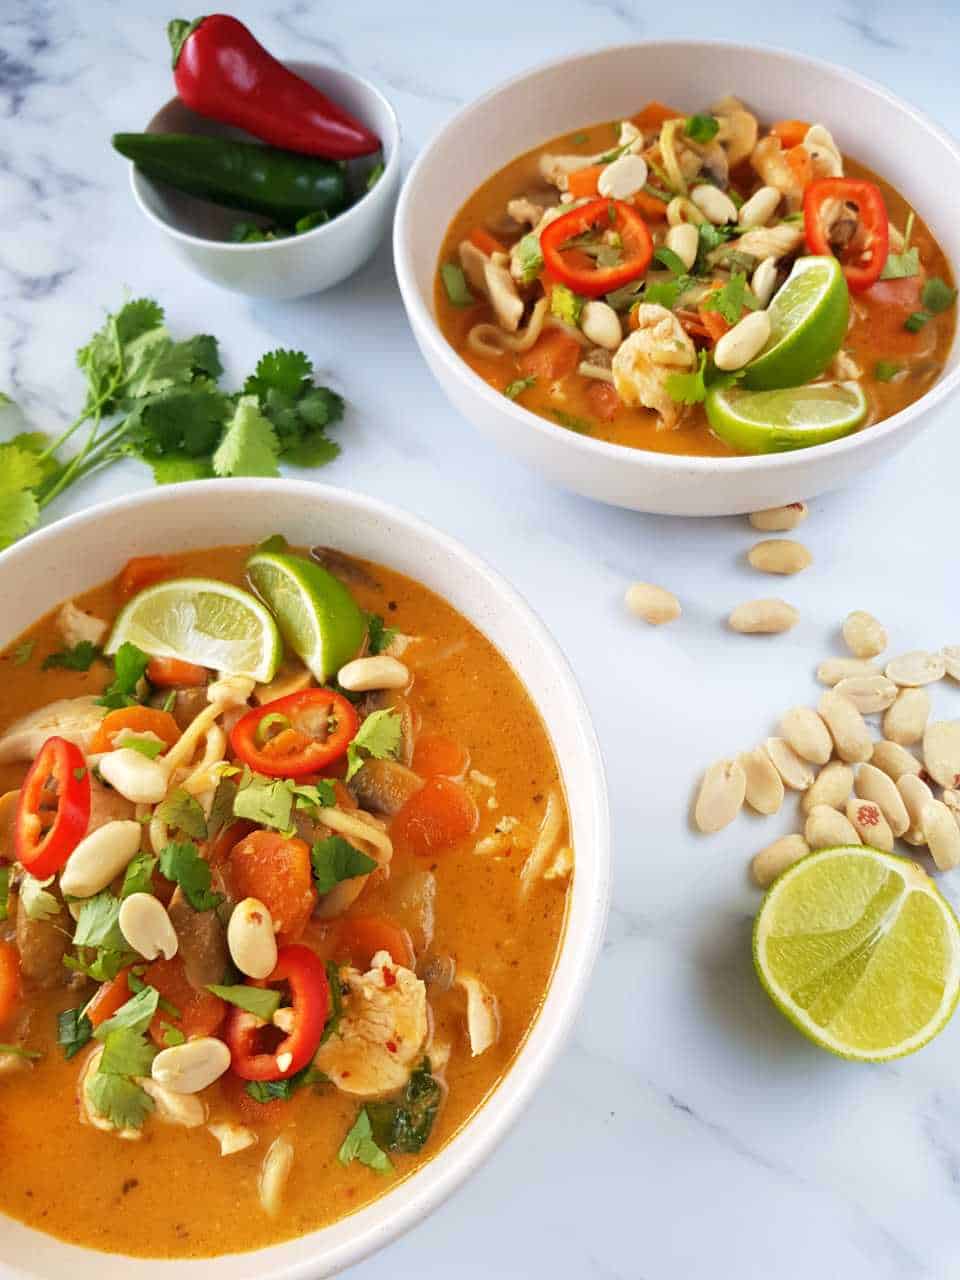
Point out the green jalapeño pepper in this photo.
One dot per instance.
(239, 175)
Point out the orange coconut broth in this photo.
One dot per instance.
(171, 1194)
(566, 398)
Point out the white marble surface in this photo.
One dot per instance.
(687, 1131)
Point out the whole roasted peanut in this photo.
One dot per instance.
(873, 784)
(864, 635)
(251, 939)
(779, 555)
(825, 828)
(763, 617)
(847, 727)
(99, 857)
(832, 786)
(807, 734)
(653, 604)
(906, 718)
(776, 857)
(780, 519)
(721, 796)
(764, 789)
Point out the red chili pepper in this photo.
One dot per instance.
(863, 269)
(304, 973)
(222, 72)
(313, 728)
(54, 808)
(599, 215)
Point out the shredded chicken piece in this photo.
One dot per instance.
(562, 864)
(643, 362)
(502, 292)
(88, 1113)
(483, 1014)
(384, 1026)
(187, 1110)
(547, 838)
(770, 162)
(78, 627)
(473, 261)
(525, 211)
(824, 153)
(76, 719)
(232, 1137)
(768, 242)
(274, 1174)
(557, 169)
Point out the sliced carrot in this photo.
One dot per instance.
(714, 324)
(654, 114)
(170, 673)
(9, 980)
(361, 937)
(801, 163)
(552, 356)
(790, 132)
(582, 183)
(135, 720)
(691, 322)
(198, 1013)
(435, 753)
(436, 817)
(604, 400)
(144, 571)
(109, 998)
(653, 210)
(485, 241)
(277, 870)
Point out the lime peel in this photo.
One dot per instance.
(808, 322)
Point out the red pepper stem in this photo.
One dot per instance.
(179, 31)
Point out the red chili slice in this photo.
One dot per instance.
(864, 268)
(304, 973)
(313, 729)
(599, 215)
(54, 808)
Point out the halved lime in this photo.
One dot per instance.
(204, 621)
(318, 617)
(860, 951)
(792, 418)
(808, 321)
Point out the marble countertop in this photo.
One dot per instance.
(687, 1131)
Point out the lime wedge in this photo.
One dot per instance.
(318, 617)
(204, 621)
(792, 418)
(860, 951)
(808, 321)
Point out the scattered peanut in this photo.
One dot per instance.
(714, 204)
(941, 752)
(825, 828)
(868, 694)
(951, 660)
(743, 342)
(763, 282)
(780, 519)
(873, 784)
(379, 672)
(806, 733)
(654, 604)
(136, 778)
(870, 824)
(251, 939)
(831, 787)
(763, 617)
(685, 242)
(274, 1173)
(907, 717)
(759, 209)
(795, 772)
(916, 795)
(894, 760)
(847, 727)
(99, 857)
(144, 922)
(864, 635)
(916, 668)
(832, 670)
(776, 857)
(721, 795)
(942, 834)
(951, 798)
(779, 555)
(764, 789)
(191, 1067)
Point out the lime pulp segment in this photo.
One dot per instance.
(790, 418)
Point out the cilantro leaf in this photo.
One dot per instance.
(731, 299)
(314, 450)
(336, 1001)
(405, 1125)
(379, 635)
(74, 1029)
(221, 810)
(335, 859)
(129, 665)
(23, 653)
(249, 446)
(105, 965)
(377, 738)
(298, 410)
(119, 1100)
(35, 900)
(126, 1052)
(262, 1002)
(359, 1145)
(135, 1015)
(151, 747)
(688, 388)
(97, 923)
(183, 812)
(313, 796)
(138, 877)
(901, 265)
(265, 801)
(672, 261)
(282, 1090)
(886, 370)
(80, 658)
(181, 423)
(279, 370)
(19, 513)
(182, 863)
(19, 469)
(173, 470)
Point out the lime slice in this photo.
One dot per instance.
(319, 618)
(808, 321)
(860, 951)
(204, 621)
(792, 418)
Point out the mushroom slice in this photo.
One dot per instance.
(76, 719)
(384, 1027)
(483, 1014)
(282, 685)
(738, 129)
(345, 567)
(202, 941)
(657, 348)
(384, 786)
(78, 627)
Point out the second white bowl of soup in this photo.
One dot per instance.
(498, 759)
(613, 433)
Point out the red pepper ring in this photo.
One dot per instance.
(872, 211)
(304, 973)
(53, 811)
(606, 215)
(296, 750)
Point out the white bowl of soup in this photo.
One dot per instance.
(456, 892)
(591, 354)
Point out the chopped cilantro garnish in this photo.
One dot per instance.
(138, 877)
(282, 1090)
(701, 128)
(135, 1015)
(335, 859)
(731, 299)
(126, 1052)
(23, 653)
(455, 284)
(360, 1145)
(74, 1030)
(916, 320)
(937, 296)
(379, 635)
(901, 265)
(405, 1124)
(97, 923)
(129, 665)
(262, 1002)
(182, 812)
(377, 738)
(886, 370)
(182, 863)
(672, 261)
(80, 658)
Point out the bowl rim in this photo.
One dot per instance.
(426, 327)
(476, 1140)
(390, 171)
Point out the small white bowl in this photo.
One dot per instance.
(198, 231)
(82, 550)
(868, 122)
